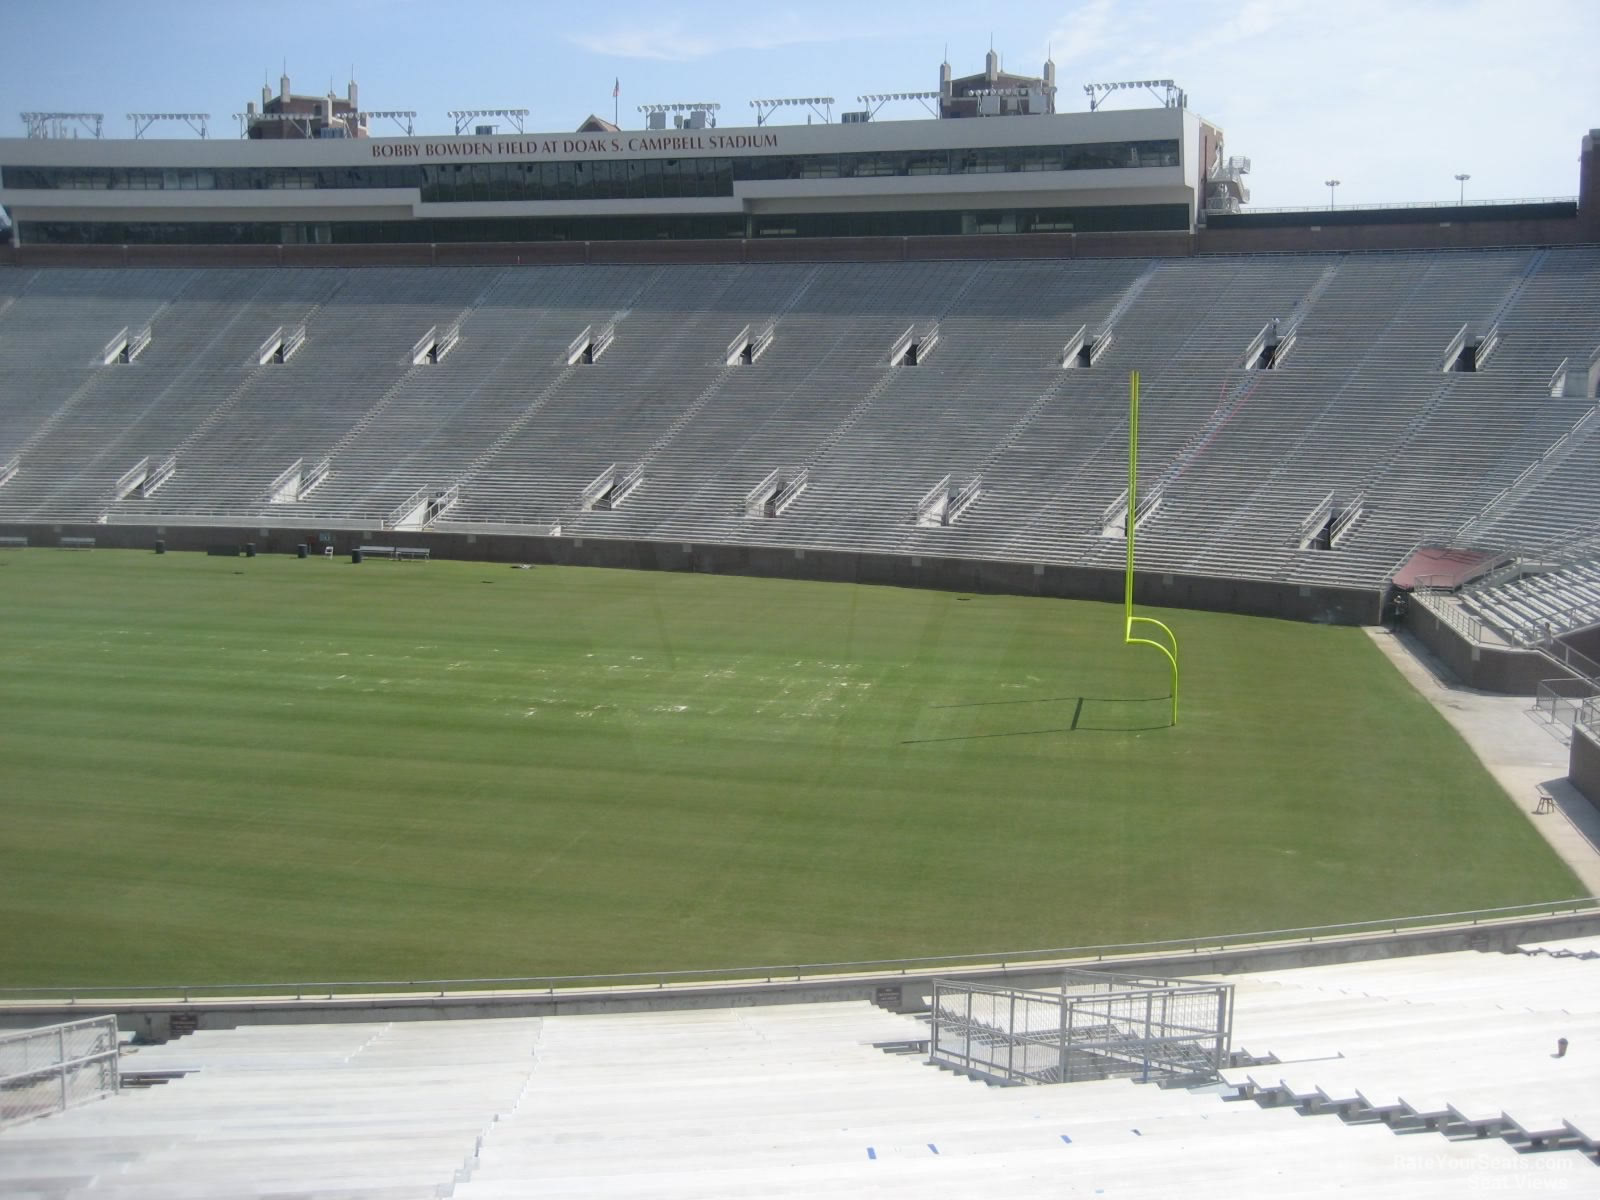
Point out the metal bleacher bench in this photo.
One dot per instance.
(398, 553)
(77, 543)
(13, 543)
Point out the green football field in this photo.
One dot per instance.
(236, 770)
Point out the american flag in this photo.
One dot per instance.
(616, 88)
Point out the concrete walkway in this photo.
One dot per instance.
(1524, 755)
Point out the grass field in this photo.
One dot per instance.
(266, 769)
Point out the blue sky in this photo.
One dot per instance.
(1393, 97)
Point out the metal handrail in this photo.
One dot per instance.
(1589, 715)
(1573, 660)
(799, 972)
(1464, 623)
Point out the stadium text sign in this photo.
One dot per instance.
(522, 148)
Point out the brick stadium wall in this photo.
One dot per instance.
(1583, 764)
(1586, 642)
(1499, 669)
(1451, 236)
(1291, 240)
(1261, 598)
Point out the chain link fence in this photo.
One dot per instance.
(46, 1070)
(1095, 1027)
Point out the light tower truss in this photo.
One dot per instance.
(143, 121)
(56, 124)
(706, 108)
(301, 121)
(1164, 90)
(400, 116)
(821, 105)
(689, 106)
(876, 100)
(465, 116)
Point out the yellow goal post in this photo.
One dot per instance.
(1170, 646)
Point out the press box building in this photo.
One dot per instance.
(1000, 159)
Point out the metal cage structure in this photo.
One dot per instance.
(44, 1071)
(1096, 1026)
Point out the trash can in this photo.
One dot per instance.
(302, 551)
(355, 555)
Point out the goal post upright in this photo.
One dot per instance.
(1132, 520)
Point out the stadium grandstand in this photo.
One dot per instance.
(857, 351)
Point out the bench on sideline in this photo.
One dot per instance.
(398, 553)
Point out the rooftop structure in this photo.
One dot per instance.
(288, 116)
(996, 93)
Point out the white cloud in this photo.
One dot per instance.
(673, 42)
(1093, 28)
(1392, 96)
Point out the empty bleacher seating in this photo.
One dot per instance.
(520, 430)
(803, 1100)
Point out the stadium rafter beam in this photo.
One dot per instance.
(1170, 94)
(878, 99)
(765, 108)
(56, 124)
(463, 116)
(143, 121)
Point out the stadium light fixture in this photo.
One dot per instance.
(1462, 180)
(301, 121)
(878, 99)
(705, 109)
(1169, 93)
(465, 116)
(400, 116)
(1331, 184)
(765, 108)
(56, 124)
(143, 121)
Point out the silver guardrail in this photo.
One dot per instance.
(1464, 623)
(800, 972)
(1589, 715)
